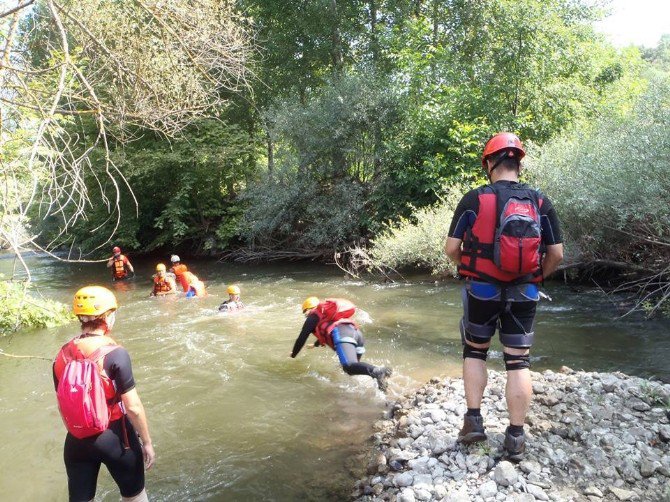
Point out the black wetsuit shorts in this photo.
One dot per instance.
(83, 458)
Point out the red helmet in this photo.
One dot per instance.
(116, 250)
(503, 141)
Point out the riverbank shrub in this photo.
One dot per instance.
(19, 309)
(610, 184)
(419, 240)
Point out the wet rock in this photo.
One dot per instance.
(622, 494)
(488, 490)
(505, 474)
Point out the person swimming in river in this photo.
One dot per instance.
(196, 287)
(330, 321)
(163, 282)
(233, 302)
(120, 265)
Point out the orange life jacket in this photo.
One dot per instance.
(195, 283)
(332, 312)
(161, 285)
(180, 273)
(87, 346)
(119, 269)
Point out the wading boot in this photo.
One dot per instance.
(514, 446)
(472, 431)
(381, 373)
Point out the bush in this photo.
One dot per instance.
(610, 183)
(419, 240)
(20, 310)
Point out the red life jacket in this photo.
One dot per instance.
(504, 244)
(161, 285)
(332, 312)
(119, 270)
(85, 347)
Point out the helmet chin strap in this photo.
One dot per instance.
(505, 155)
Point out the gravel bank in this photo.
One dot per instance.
(590, 437)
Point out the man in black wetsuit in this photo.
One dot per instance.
(505, 238)
(341, 335)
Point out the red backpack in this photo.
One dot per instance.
(334, 309)
(81, 394)
(518, 237)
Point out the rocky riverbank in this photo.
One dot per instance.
(590, 437)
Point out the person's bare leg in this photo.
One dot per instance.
(140, 497)
(519, 390)
(475, 377)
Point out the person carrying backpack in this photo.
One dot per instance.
(99, 404)
(505, 238)
(330, 321)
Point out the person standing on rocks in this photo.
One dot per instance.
(505, 238)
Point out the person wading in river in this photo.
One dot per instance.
(331, 323)
(99, 404)
(163, 283)
(505, 238)
(120, 265)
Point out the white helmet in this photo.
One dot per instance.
(174, 258)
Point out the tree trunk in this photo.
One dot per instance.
(336, 41)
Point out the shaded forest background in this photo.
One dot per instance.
(358, 125)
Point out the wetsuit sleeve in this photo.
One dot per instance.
(307, 329)
(551, 227)
(464, 215)
(119, 369)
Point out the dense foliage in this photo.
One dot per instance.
(360, 120)
(20, 309)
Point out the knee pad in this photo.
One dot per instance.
(475, 353)
(516, 362)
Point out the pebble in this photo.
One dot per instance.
(537, 492)
(488, 489)
(622, 494)
(593, 491)
(589, 430)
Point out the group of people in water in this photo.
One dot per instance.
(505, 239)
(167, 282)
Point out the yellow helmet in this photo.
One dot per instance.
(160, 268)
(233, 290)
(93, 301)
(310, 303)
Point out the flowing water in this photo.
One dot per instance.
(232, 416)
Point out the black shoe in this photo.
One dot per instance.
(472, 431)
(381, 373)
(514, 446)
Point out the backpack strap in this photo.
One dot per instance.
(102, 352)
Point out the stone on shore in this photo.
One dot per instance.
(589, 437)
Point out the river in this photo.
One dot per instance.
(232, 416)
